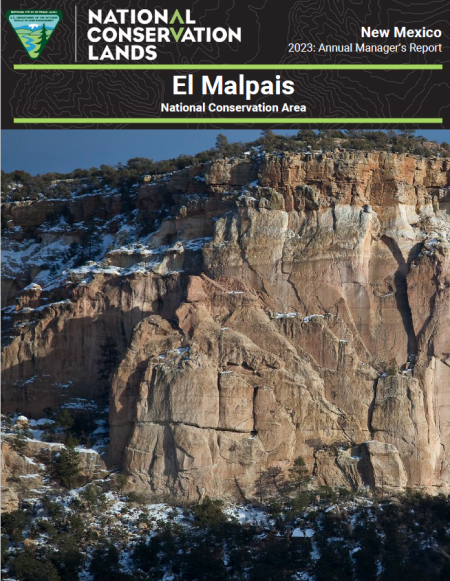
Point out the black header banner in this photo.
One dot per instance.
(266, 64)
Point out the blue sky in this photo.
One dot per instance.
(41, 151)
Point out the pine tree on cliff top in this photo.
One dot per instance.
(222, 143)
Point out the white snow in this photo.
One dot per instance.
(86, 450)
(78, 403)
(286, 315)
(31, 380)
(309, 317)
(32, 286)
(41, 422)
(315, 554)
(247, 514)
(302, 534)
(197, 243)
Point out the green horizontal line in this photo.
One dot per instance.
(234, 120)
(213, 66)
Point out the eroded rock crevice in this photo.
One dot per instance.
(401, 295)
(254, 323)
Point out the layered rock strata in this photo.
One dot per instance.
(261, 309)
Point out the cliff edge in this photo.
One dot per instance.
(238, 314)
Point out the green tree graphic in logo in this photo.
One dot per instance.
(34, 28)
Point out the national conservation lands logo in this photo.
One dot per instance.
(135, 34)
(34, 28)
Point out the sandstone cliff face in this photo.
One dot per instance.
(253, 322)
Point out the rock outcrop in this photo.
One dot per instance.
(25, 476)
(260, 310)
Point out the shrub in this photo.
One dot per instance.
(205, 563)
(209, 513)
(67, 558)
(334, 564)
(13, 524)
(392, 367)
(105, 565)
(328, 493)
(119, 482)
(26, 567)
(137, 498)
(145, 555)
(92, 495)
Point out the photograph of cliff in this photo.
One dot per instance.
(259, 334)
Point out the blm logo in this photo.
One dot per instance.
(34, 28)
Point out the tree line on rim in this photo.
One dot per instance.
(19, 184)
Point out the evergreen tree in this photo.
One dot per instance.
(209, 513)
(90, 243)
(13, 524)
(307, 136)
(204, 563)
(268, 140)
(141, 165)
(222, 143)
(298, 474)
(366, 558)
(19, 441)
(43, 38)
(66, 465)
(408, 134)
(67, 558)
(26, 567)
(270, 482)
(334, 564)
(64, 419)
(7, 423)
(295, 487)
(273, 562)
(105, 565)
